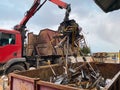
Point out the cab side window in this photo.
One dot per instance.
(7, 39)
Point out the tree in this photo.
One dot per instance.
(85, 50)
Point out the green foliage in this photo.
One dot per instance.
(85, 50)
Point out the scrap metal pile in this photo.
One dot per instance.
(81, 76)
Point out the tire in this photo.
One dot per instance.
(15, 68)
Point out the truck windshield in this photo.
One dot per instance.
(6, 39)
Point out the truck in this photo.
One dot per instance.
(16, 56)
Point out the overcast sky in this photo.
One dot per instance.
(101, 30)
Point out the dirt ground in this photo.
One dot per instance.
(1, 85)
(1, 81)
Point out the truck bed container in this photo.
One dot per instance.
(38, 79)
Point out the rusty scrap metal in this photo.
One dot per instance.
(80, 78)
(51, 68)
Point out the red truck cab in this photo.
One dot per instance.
(10, 45)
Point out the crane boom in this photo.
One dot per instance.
(36, 6)
(30, 12)
(60, 3)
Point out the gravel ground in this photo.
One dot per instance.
(0, 84)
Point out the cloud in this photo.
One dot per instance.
(7, 25)
(13, 9)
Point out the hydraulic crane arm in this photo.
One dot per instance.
(60, 3)
(36, 6)
(64, 5)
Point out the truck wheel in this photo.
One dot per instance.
(15, 68)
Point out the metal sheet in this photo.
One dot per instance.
(46, 43)
(108, 5)
(19, 84)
